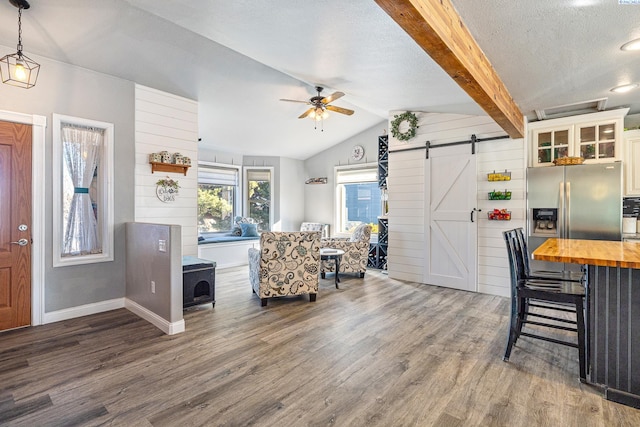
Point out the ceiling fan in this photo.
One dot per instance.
(320, 105)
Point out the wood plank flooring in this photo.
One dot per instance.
(376, 352)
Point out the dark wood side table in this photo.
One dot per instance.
(333, 254)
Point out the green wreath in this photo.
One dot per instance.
(413, 125)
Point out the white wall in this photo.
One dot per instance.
(407, 244)
(166, 122)
(493, 266)
(406, 196)
(216, 156)
(78, 92)
(292, 178)
(318, 198)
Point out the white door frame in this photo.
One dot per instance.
(39, 124)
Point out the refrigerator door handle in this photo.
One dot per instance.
(561, 233)
(568, 211)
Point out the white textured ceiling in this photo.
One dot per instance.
(237, 58)
(556, 52)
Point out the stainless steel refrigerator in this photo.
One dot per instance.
(573, 202)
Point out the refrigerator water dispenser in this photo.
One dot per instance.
(544, 222)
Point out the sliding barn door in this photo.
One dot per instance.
(451, 220)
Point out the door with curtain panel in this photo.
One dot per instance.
(451, 218)
(15, 225)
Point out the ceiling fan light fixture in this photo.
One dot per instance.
(632, 45)
(624, 88)
(319, 106)
(18, 69)
(318, 114)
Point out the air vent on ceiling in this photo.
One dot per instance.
(572, 109)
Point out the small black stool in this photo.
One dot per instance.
(198, 281)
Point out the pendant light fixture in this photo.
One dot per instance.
(18, 69)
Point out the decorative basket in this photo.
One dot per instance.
(499, 176)
(564, 161)
(499, 215)
(500, 195)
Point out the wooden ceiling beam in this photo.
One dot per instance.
(438, 29)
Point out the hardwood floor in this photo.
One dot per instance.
(374, 352)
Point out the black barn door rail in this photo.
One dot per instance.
(427, 145)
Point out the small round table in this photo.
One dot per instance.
(334, 254)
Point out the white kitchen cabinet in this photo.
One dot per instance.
(632, 163)
(596, 137)
(551, 143)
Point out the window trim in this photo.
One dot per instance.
(336, 195)
(105, 198)
(238, 205)
(245, 191)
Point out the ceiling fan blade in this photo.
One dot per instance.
(295, 100)
(339, 110)
(332, 97)
(306, 113)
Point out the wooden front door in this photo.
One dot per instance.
(451, 230)
(15, 225)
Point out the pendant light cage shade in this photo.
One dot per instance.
(19, 70)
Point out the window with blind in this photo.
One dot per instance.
(357, 199)
(217, 197)
(259, 193)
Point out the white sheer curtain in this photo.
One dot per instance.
(81, 152)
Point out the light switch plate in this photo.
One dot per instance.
(162, 245)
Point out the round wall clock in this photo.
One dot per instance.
(357, 152)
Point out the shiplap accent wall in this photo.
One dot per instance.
(406, 185)
(406, 196)
(166, 122)
(493, 265)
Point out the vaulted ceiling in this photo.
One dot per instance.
(238, 58)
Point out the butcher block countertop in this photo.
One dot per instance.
(593, 252)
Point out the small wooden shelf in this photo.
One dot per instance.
(169, 167)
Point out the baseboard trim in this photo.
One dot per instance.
(169, 328)
(83, 310)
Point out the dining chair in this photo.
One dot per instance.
(547, 301)
(565, 275)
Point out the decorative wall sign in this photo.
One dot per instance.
(404, 131)
(316, 181)
(167, 190)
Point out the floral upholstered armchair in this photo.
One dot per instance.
(356, 251)
(287, 263)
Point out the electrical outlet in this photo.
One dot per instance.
(153, 287)
(162, 245)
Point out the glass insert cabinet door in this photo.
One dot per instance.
(552, 144)
(597, 141)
